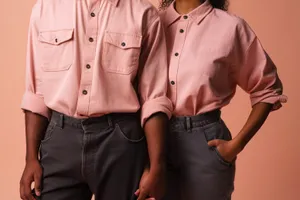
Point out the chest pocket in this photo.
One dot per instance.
(121, 53)
(56, 50)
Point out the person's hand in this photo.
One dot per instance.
(152, 185)
(227, 149)
(32, 173)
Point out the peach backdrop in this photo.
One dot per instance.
(268, 169)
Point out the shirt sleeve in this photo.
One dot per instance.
(255, 72)
(33, 98)
(153, 78)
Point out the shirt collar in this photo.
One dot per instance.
(197, 15)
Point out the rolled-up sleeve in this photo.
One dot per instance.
(33, 98)
(153, 78)
(257, 74)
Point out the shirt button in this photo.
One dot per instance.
(123, 44)
(91, 39)
(88, 66)
(185, 17)
(84, 92)
(172, 82)
(181, 31)
(93, 14)
(176, 54)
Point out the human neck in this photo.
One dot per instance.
(186, 6)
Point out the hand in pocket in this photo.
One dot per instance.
(228, 150)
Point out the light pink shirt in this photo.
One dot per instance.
(90, 57)
(210, 53)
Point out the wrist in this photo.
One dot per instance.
(239, 145)
(30, 158)
(157, 168)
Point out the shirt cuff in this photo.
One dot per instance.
(273, 98)
(152, 106)
(35, 104)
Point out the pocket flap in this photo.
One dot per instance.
(123, 41)
(56, 37)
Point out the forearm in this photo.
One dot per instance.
(155, 130)
(256, 119)
(36, 126)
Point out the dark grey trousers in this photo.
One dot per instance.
(195, 171)
(104, 156)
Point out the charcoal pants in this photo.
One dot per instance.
(196, 171)
(104, 156)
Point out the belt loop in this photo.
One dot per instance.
(188, 123)
(61, 121)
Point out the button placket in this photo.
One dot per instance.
(90, 45)
(91, 39)
(84, 92)
(175, 57)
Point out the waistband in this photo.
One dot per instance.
(200, 120)
(61, 119)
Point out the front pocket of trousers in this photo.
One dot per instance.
(214, 131)
(48, 133)
(220, 158)
(131, 131)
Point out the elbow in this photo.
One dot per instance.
(159, 105)
(35, 103)
(273, 97)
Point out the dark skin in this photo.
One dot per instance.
(152, 181)
(186, 6)
(36, 126)
(220, 4)
(230, 149)
(155, 129)
(260, 111)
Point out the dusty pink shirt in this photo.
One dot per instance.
(90, 57)
(210, 53)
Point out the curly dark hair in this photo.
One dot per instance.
(220, 4)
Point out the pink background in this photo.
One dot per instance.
(268, 169)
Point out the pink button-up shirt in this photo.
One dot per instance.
(210, 53)
(89, 58)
